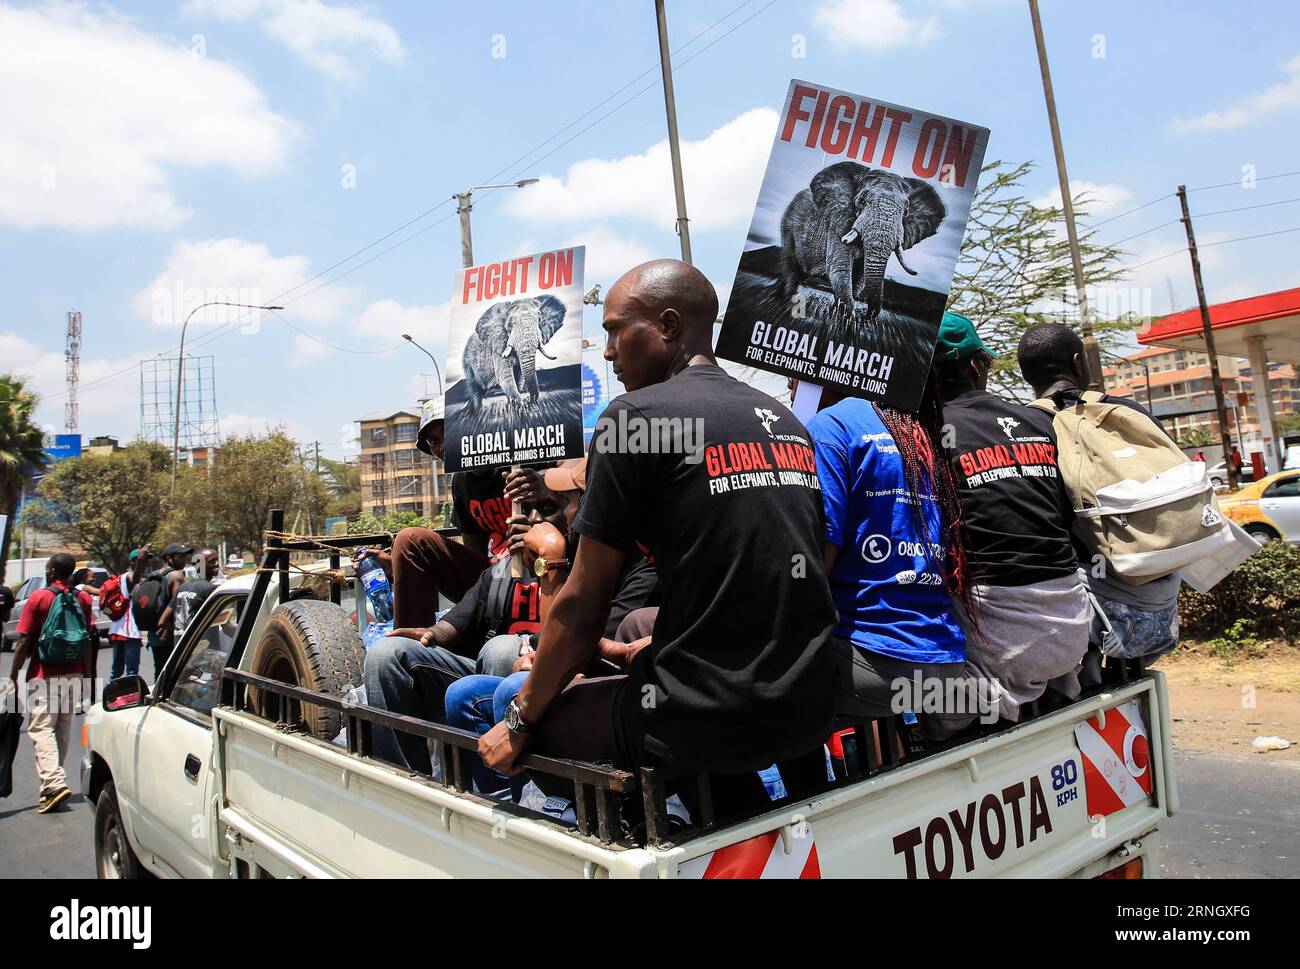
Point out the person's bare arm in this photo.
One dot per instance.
(622, 654)
(572, 633)
(441, 633)
(570, 637)
(543, 541)
(167, 619)
(830, 554)
(21, 649)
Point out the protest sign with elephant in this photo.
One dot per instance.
(514, 362)
(854, 239)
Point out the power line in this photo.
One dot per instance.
(1139, 208)
(1144, 232)
(1220, 242)
(332, 346)
(1246, 208)
(1238, 184)
(280, 298)
(1258, 235)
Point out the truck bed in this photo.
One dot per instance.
(1012, 804)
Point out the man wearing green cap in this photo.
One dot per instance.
(1030, 628)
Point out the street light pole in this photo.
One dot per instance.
(674, 147)
(436, 371)
(1091, 348)
(180, 375)
(464, 205)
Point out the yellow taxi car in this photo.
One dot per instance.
(1268, 508)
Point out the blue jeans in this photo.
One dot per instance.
(407, 678)
(1136, 632)
(126, 658)
(476, 704)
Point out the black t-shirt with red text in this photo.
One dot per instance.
(1014, 504)
(740, 672)
(480, 509)
(473, 615)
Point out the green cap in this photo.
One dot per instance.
(958, 339)
(135, 554)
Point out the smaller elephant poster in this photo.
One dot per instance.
(851, 251)
(514, 362)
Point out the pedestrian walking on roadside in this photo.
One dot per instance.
(56, 643)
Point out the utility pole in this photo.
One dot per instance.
(674, 148)
(1225, 438)
(316, 444)
(465, 205)
(1090, 347)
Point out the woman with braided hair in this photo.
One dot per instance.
(894, 554)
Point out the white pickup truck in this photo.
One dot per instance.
(227, 770)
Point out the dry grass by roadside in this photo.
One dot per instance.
(1222, 705)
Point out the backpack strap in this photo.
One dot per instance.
(1092, 396)
(498, 595)
(1044, 403)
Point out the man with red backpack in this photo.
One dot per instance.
(115, 602)
(57, 629)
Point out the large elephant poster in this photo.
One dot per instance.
(851, 251)
(514, 362)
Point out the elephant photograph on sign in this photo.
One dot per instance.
(514, 362)
(845, 227)
(856, 233)
(501, 355)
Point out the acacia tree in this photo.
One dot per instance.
(22, 450)
(344, 481)
(1015, 270)
(106, 504)
(230, 500)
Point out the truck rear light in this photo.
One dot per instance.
(85, 744)
(1130, 869)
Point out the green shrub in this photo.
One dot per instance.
(1260, 599)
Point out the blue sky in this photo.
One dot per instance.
(228, 146)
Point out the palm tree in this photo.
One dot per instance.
(22, 449)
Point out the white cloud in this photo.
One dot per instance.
(237, 271)
(45, 370)
(1274, 99)
(722, 173)
(328, 37)
(609, 255)
(873, 25)
(96, 113)
(1101, 196)
(384, 321)
(243, 424)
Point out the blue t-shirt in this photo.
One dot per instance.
(890, 594)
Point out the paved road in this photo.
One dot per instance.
(59, 844)
(1240, 817)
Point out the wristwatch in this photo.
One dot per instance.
(542, 566)
(514, 719)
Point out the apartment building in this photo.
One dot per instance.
(395, 474)
(1182, 393)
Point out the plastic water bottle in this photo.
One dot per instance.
(377, 588)
(375, 632)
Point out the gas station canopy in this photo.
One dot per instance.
(1273, 316)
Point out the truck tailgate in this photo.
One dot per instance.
(1012, 805)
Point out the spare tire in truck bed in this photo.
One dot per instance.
(312, 644)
